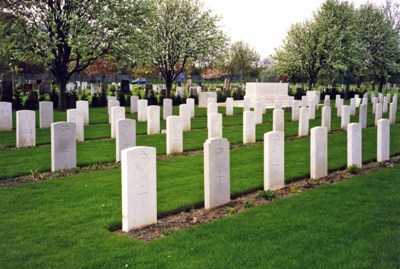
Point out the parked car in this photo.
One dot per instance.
(139, 81)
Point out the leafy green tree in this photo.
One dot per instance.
(178, 33)
(301, 54)
(69, 35)
(242, 59)
(340, 39)
(381, 43)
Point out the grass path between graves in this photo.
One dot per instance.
(25, 161)
(63, 224)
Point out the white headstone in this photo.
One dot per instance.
(304, 101)
(374, 102)
(392, 113)
(385, 105)
(216, 172)
(45, 114)
(319, 152)
(278, 120)
(63, 146)
(139, 187)
(378, 113)
(111, 103)
(363, 115)
(134, 104)
(184, 113)
(352, 106)
(109, 98)
(311, 105)
(26, 133)
(125, 136)
(354, 144)
(212, 108)
(246, 103)
(83, 108)
(326, 118)
(229, 106)
(191, 103)
(214, 125)
(339, 107)
(327, 102)
(304, 121)
(167, 108)
(274, 160)
(249, 127)
(345, 117)
(174, 135)
(336, 100)
(383, 145)
(153, 120)
(117, 113)
(258, 110)
(277, 104)
(142, 110)
(295, 110)
(73, 115)
(5, 116)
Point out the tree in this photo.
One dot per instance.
(242, 59)
(340, 39)
(381, 43)
(301, 53)
(69, 35)
(178, 32)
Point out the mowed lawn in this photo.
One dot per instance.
(63, 224)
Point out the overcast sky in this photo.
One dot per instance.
(264, 23)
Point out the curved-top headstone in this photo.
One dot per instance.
(26, 132)
(63, 146)
(5, 116)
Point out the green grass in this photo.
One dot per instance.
(63, 224)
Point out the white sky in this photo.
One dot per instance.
(263, 24)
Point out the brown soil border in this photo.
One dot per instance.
(192, 217)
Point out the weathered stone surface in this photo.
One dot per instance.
(246, 103)
(392, 113)
(139, 187)
(319, 152)
(63, 146)
(311, 105)
(354, 144)
(142, 110)
(363, 115)
(153, 120)
(336, 100)
(117, 113)
(45, 114)
(167, 108)
(134, 104)
(184, 113)
(229, 106)
(274, 160)
(111, 103)
(125, 136)
(352, 106)
(378, 113)
(374, 102)
(83, 108)
(385, 105)
(258, 110)
(5, 116)
(214, 125)
(216, 172)
(278, 120)
(277, 104)
(345, 117)
(26, 132)
(339, 107)
(304, 121)
(326, 118)
(191, 103)
(174, 135)
(383, 143)
(73, 115)
(295, 110)
(249, 127)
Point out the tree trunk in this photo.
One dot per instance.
(168, 83)
(382, 81)
(62, 97)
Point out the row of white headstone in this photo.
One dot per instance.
(26, 121)
(139, 177)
